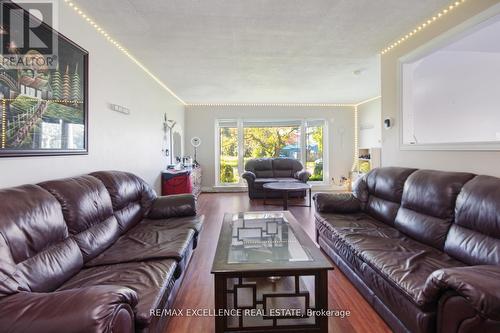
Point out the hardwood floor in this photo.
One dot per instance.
(198, 286)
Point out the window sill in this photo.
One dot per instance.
(226, 188)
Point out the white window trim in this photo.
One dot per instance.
(241, 167)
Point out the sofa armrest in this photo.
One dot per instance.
(249, 176)
(302, 175)
(105, 308)
(479, 285)
(176, 205)
(343, 203)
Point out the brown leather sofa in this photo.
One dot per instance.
(94, 253)
(260, 171)
(422, 246)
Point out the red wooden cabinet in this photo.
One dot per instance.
(183, 181)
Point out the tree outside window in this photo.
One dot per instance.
(271, 142)
(266, 139)
(228, 155)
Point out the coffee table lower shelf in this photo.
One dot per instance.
(285, 188)
(284, 301)
(269, 276)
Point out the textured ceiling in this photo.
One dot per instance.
(262, 51)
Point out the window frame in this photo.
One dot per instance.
(240, 125)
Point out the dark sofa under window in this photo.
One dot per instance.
(260, 171)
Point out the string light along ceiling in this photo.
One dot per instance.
(409, 35)
(106, 35)
(275, 104)
(424, 25)
(120, 47)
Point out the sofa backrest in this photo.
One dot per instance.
(428, 205)
(286, 167)
(88, 212)
(37, 253)
(280, 167)
(131, 196)
(382, 189)
(474, 237)
(261, 167)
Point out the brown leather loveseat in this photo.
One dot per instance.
(95, 253)
(259, 171)
(422, 246)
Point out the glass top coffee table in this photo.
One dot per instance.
(269, 275)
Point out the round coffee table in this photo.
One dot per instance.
(285, 188)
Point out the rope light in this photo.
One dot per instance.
(274, 104)
(355, 164)
(120, 47)
(4, 124)
(368, 100)
(424, 25)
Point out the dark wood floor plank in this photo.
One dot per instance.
(197, 290)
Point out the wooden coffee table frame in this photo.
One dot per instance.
(318, 268)
(321, 300)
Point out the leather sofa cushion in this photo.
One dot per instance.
(403, 262)
(145, 242)
(194, 223)
(261, 167)
(428, 205)
(285, 167)
(264, 173)
(36, 240)
(477, 205)
(475, 236)
(48, 269)
(434, 192)
(273, 180)
(149, 279)
(385, 189)
(472, 247)
(88, 212)
(423, 228)
(388, 183)
(356, 221)
(383, 210)
(259, 182)
(404, 308)
(130, 195)
(415, 318)
(331, 226)
(31, 220)
(175, 205)
(8, 282)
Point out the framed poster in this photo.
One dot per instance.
(43, 91)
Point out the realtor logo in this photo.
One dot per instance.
(26, 40)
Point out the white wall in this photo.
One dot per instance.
(116, 141)
(483, 162)
(370, 124)
(448, 108)
(200, 121)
